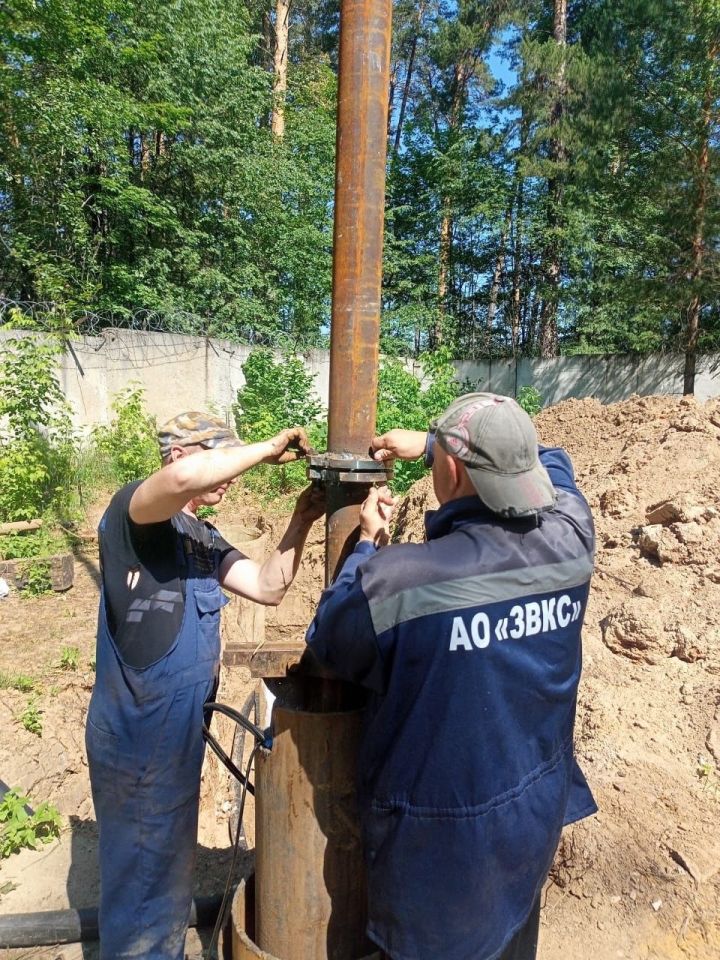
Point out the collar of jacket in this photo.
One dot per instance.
(454, 513)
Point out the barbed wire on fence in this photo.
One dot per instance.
(46, 315)
(106, 327)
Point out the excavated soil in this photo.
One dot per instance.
(641, 880)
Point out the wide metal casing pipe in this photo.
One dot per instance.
(311, 902)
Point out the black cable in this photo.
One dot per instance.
(226, 761)
(236, 754)
(262, 737)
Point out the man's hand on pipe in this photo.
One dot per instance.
(310, 505)
(375, 515)
(288, 445)
(399, 444)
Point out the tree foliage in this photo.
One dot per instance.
(552, 171)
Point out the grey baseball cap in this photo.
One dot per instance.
(192, 428)
(496, 441)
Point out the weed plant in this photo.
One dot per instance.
(33, 550)
(19, 827)
(69, 658)
(19, 681)
(35, 543)
(530, 399)
(30, 718)
(37, 576)
(127, 449)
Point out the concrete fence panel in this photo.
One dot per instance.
(184, 372)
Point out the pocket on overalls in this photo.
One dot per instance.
(102, 748)
(209, 602)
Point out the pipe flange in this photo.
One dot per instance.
(346, 468)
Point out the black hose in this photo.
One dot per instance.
(263, 737)
(49, 927)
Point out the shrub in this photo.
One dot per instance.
(277, 394)
(402, 402)
(128, 446)
(36, 445)
(530, 399)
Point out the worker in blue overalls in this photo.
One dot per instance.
(158, 656)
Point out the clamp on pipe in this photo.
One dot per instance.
(329, 469)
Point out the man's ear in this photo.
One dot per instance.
(455, 473)
(176, 453)
(462, 484)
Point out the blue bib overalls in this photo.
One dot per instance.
(145, 750)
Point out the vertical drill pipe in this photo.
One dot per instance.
(365, 36)
(311, 898)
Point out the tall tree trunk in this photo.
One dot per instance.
(144, 156)
(698, 243)
(405, 93)
(498, 273)
(517, 270)
(408, 78)
(552, 268)
(517, 226)
(446, 225)
(460, 80)
(280, 65)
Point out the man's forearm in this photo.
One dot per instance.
(278, 572)
(210, 468)
(168, 490)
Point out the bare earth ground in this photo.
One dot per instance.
(641, 880)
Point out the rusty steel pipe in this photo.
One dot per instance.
(308, 834)
(310, 901)
(361, 146)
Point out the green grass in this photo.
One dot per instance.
(16, 681)
(69, 658)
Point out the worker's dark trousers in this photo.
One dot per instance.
(523, 945)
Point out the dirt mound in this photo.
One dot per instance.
(642, 878)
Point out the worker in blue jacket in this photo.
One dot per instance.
(469, 645)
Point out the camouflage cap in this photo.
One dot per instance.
(193, 427)
(496, 441)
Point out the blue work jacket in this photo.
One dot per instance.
(470, 647)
